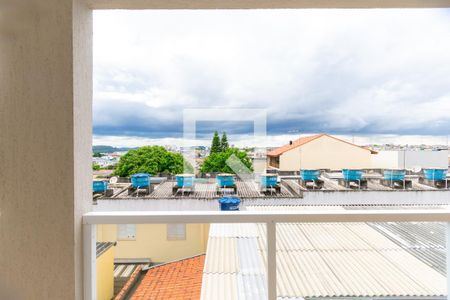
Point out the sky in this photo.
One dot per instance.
(372, 76)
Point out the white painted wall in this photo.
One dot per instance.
(410, 159)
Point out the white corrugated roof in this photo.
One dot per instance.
(314, 260)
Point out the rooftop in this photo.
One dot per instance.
(325, 260)
(304, 140)
(102, 247)
(178, 280)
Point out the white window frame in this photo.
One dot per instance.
(176, 232)
(82, 53)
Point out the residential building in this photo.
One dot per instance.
(321, 151)
(158, 243)
(179, 279)
(105, 270)
(410, 159)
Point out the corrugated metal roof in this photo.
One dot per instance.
(426, 241)
(102, 247)
(224, 258)
(319, 260)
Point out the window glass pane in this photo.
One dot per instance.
(126, 232)
(176, 231)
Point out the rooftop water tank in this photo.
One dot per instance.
(435, 174)
(140, 180)
(99, 186)
(309, 174)
(268, 180)
(394, 175)
(352, 174)
(185, 180)
(229, 203)
(225, 180)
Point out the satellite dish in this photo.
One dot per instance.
(416, 169)
(113, 179)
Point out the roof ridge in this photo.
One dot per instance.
(306, 139)
(172, 262)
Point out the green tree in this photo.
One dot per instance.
(152, 160)
(97, 154)
(215, 144)
(224, 142)
(216, 162)
(95, 167)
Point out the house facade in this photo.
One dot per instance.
(320, 151)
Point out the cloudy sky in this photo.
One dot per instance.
(373, 74)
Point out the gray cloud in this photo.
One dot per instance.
(337, 71)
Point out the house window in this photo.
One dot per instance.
(176, 232)
(126, 232)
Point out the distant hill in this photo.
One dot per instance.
(109, 149)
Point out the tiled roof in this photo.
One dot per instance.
(295, 144)
(304, 140)
(179, 280)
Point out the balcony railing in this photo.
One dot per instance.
(90, 220)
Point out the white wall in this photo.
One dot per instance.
(410, 159)
(385, 160)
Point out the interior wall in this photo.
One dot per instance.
(45, 146)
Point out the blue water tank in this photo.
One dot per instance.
(268, 180)
(185, 180)
(352, 174)
(435, 174)
(394, 175)
(225, 180)
(140, 180)
(229, 203)
(99, 186)
(309, 174)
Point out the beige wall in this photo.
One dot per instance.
(151, 242)
(105, 275)
(45, 143)
(325, 153)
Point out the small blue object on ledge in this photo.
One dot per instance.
(309, 174)
(229, 203)
(268, 180)
(395, 175)
(185, 180)
(99, 186)
(435, 174)
(225, 180)
(140, 180)
(352, 174)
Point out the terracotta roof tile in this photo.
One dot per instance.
(295, 144)
(304, 140)
(181, 279)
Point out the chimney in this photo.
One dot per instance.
(290, 142)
